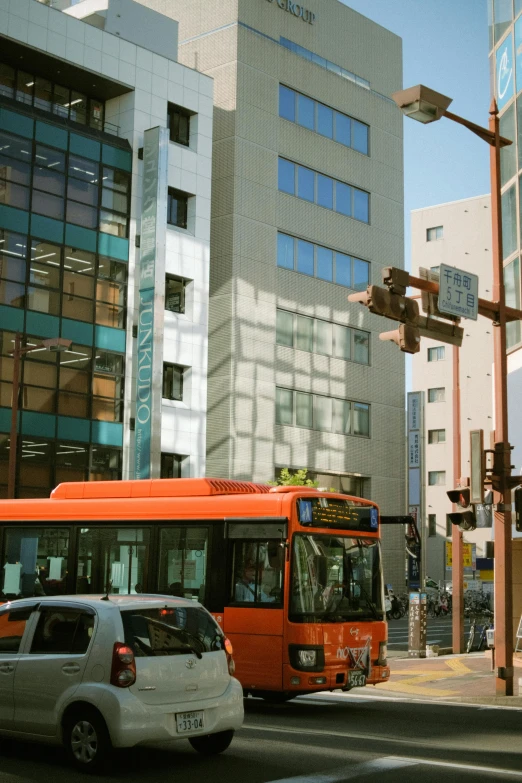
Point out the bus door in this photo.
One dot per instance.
(253, 615)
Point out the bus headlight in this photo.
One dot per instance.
(306, 657)
(383, 652)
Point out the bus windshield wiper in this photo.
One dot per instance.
(369, 601)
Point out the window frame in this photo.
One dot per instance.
(315, 402)
(434, 233)
(440, 397)
(180, 197)
(170, 367)
(334, 354)
(338, 261)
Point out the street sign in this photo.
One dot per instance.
(458, 292)
(417, 626)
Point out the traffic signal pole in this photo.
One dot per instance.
(457, 564)
(502, 496)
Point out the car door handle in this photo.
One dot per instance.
(70, 668)
(6, 668)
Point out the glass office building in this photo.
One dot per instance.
(76, 97)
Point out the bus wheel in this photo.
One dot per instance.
(276, 697)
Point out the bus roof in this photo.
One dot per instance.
(155, 499)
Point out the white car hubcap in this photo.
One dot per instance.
(84, 741)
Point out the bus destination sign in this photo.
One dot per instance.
(339, 514)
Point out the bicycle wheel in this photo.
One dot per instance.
(469, 645)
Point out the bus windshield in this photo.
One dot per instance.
(335, 578)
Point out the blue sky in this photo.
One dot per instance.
(445, 46)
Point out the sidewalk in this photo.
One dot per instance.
(462, 678)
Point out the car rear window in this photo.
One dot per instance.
(171, 631)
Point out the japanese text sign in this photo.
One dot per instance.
(458, 292)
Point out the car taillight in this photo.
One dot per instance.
(229, 650)
(123, 672)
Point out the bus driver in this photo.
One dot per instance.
(246, 587)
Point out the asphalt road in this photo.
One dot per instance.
(332, 738)
(439, 632)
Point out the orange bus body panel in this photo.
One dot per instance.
(257, 637)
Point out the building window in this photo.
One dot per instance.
(449, 527)
(178, 120)
(317, 117)
(172, 381)
(436, 478)
(437, 395)
(177, 209)
(437, 232)
(313, 334)
(54, 98)
(175, 293)
(512, 288)
(436, 436)
(436, 354)
(172, 465)
(324, 191)
(432, 525)
(322, 263)
(310, 56)
(326, 414)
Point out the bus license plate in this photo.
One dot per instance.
(356, 679)
(189, 721)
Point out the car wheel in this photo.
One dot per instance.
(212, 744)
(86, 740)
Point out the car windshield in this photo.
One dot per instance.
(171, 630)
(335, 578)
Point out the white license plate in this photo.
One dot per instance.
(189, 721)
(356, 679)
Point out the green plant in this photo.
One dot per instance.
(295, 479)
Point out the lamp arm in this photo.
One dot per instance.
(478, 130)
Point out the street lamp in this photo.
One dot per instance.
(56, 344)
(425, 105)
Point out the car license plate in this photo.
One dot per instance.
(189, 721)
(356, 679)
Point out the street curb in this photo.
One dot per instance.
(492, 701)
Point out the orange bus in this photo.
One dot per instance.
(293, 575)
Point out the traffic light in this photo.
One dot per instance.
(465, 519)
(518, 509)
(382, 301)
(407, 337)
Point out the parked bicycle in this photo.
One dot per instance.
(480, 624)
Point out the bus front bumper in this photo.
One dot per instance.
(332, 678)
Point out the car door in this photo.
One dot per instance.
(52, 669)
(13, 624)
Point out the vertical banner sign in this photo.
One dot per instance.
(415, 476)
(504, 82)
(152, 265)
(417, 625)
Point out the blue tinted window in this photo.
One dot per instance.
(343, 198)
(305, 257)
(286, 181)
(361, 205)
(324, 121)
(343, 270)
(360, 137)
(305, 111)
(305, 183)
(285, 251)
(361, 274)
(343, 126)
(325, 263)
(324, 191)
(333, 67)
(286, 103)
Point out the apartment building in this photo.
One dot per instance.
(457, 234)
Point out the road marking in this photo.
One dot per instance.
(413, 684)
(359, 770)
(388, 763)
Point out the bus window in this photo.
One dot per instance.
(257, 572)
(183, 562)
(35, 562)
(112, 560)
